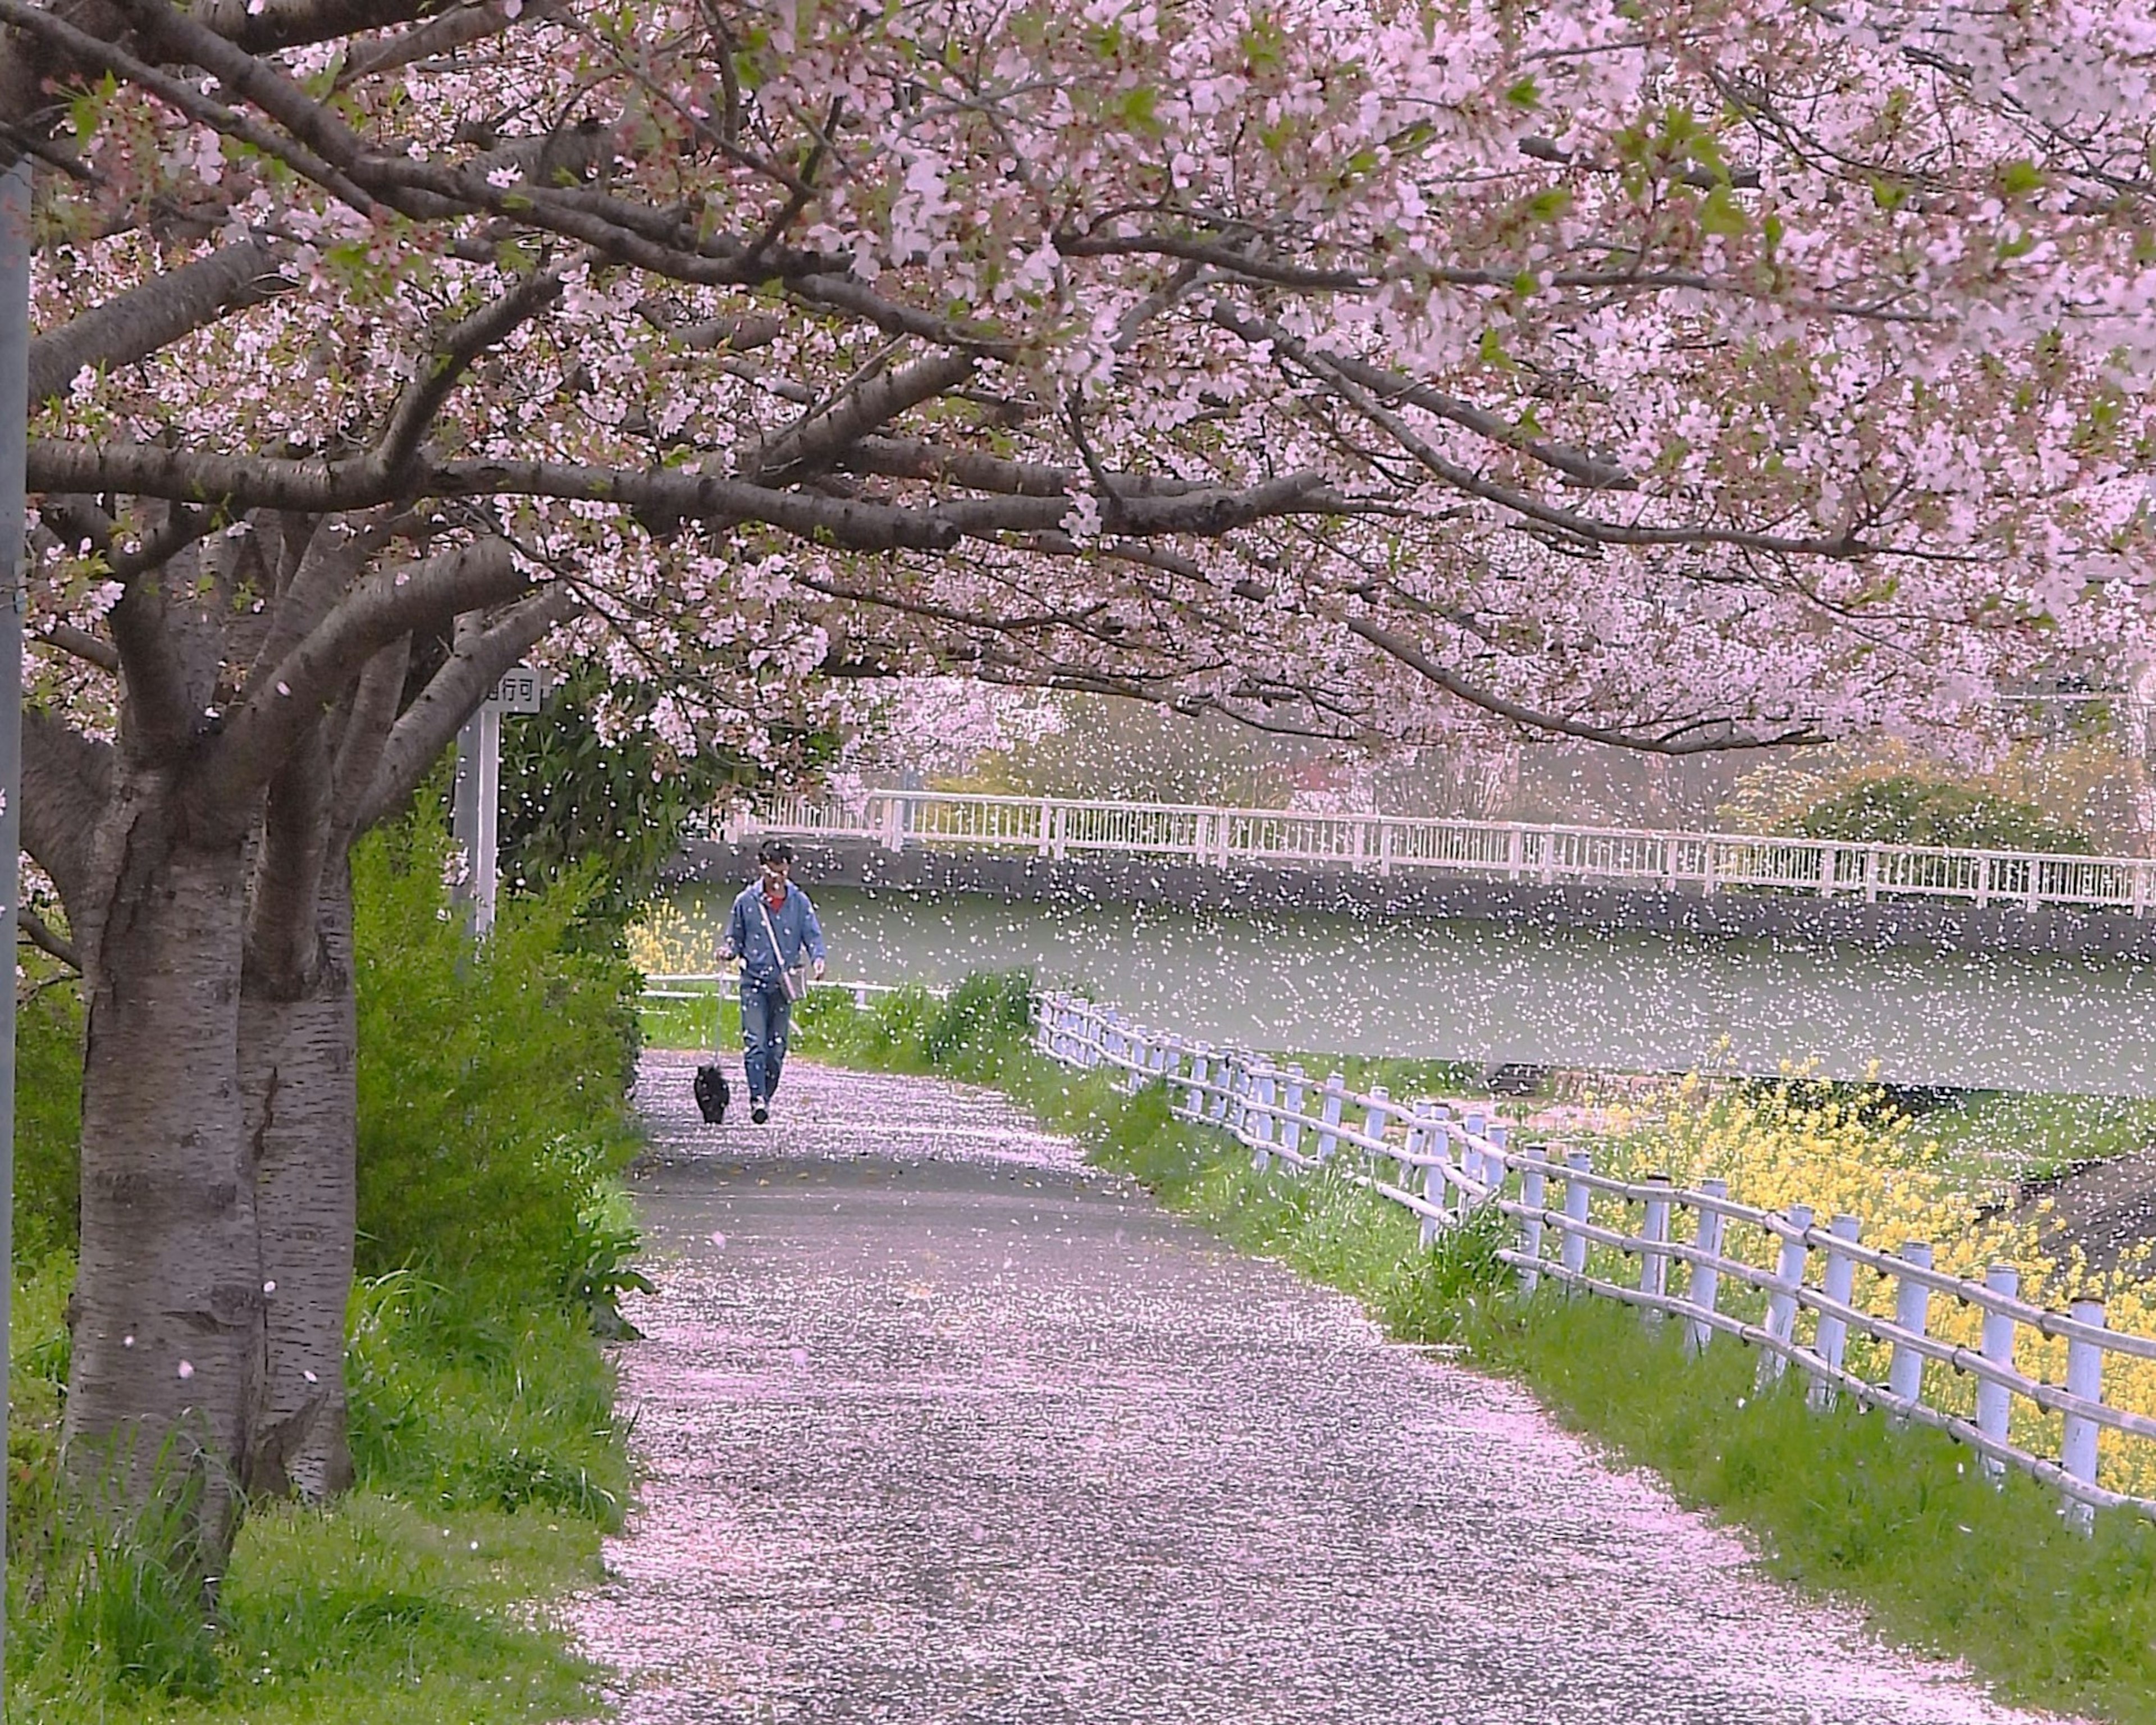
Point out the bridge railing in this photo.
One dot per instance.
(1850, 1318)
(1509, 850)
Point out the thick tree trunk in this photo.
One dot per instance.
(297, 1036)
(168, 1308)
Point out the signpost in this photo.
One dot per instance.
(475, 803)
(15, 595)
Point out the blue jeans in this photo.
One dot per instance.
(766, 1014)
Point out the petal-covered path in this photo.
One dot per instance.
(941, 1425)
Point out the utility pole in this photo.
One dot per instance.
(476, 794)
(475, 812)
(15, 599)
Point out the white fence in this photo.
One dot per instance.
(705, 984)
(1445, 1164)
(1508, 850)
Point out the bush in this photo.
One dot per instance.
(986, 1014)
(491, 1120)
(458, 1405)
(491, 1103)
(49, 1027)
(1908, 810)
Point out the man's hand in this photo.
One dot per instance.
(726, 955)
(816, 971)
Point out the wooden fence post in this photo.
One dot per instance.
(1837, 1283)
(1995, 1401)
(2077, 1446)
(1336, 1094)
(1912, 1307)
(1138, 1052)
(1704, 1282)
(1411, 1144)
(1429, 1134)
(1534, 1192)
(1498, 1136)
(1261, 1122)
(1782, 1301)
(1290, 1128)
(1200, 1066)
(1229, 1075)
(1654, 1265)
(1472, 1126)
(1572, 1251)
(1373, 1121)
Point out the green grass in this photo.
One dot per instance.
(1998, 1135)
(1844, 1502)
(365, 1612)
(495, 1236)
(1897, 1520)
(490, 1464)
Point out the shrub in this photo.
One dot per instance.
(460, 1405)
(491, 1082)
(989, 1012)
(49, 1027)
(1905, 809)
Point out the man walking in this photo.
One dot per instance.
(773, 930)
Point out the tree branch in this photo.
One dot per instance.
(422, 399)
(139, 322)
(369, 717)
(82, 645)
(317, 668)
(67, 781)
(817, 438)
(453, 693)
(39, 933)
(1574, 464)
(1691, 738)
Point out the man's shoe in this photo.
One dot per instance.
(759, 1111)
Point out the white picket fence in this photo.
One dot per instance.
(1507, 850)
(1445, 1163)
(702, 984)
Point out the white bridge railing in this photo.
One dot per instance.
(1794, 1295)
(1508, 850)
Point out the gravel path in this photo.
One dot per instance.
(943, 1427)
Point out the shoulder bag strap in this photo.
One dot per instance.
(777, 957)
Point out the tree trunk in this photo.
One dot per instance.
(168, 1308)
(297, 1037)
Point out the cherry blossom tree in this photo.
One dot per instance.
(1682, 378)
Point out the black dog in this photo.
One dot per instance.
(712, 1095)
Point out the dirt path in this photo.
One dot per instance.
(942, 1426)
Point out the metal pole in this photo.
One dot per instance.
(464, 819)
(486, 864)
(476, 815)
(14, 431)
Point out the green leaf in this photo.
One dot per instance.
(1723, 214)
(1138, 108)
(1524, 94)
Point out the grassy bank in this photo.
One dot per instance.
(493, 1235)
(1899, 1521)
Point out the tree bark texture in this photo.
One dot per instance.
(168, 1304)
(298, 1082)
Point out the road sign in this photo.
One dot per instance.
(521, 692)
